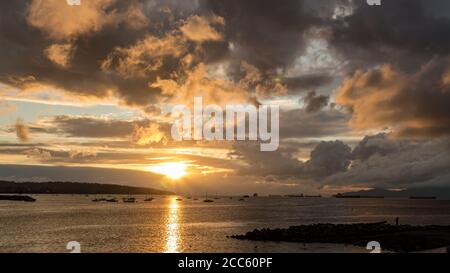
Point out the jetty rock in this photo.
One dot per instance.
(397, 238)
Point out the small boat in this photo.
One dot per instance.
(179, 199)
(246, 196)
(422, 197)
(242, 199)
(149, 199)
(312, 196)
(112, 200)
(129, 200)
(339, 195)
(295, 195)
(207, 200)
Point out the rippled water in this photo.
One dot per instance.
(167, 225)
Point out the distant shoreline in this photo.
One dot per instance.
(8, 187)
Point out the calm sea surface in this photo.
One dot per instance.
(167, 225)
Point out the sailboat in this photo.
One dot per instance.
(148, 199)
(208, 200)
(96, 200)
(129, 199)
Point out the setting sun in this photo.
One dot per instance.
(174, 170)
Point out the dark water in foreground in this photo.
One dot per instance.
(166, 225)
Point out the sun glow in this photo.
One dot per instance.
(174, 170)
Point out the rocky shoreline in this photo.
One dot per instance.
(397, 238)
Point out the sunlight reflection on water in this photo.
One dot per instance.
(173, 231)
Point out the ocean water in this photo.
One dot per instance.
(168, 225)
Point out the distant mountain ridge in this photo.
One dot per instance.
(7, 187)
(441, 193)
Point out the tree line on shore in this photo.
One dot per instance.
(8, 187)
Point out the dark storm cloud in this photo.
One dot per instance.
(314, 102)
(402, 32)
(385, 163)
(278, 163)
(264, 33)
(92, 127)
(307, 82)
(377, 161)
(327, 158)
(300, 124)
(376, 145)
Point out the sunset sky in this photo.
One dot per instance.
(364, 92)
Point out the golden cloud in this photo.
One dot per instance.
(198, 82)
(148, 135)
(199, 29)
(412, 105)
(22, 130)
(60, 54)
(145, 56)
